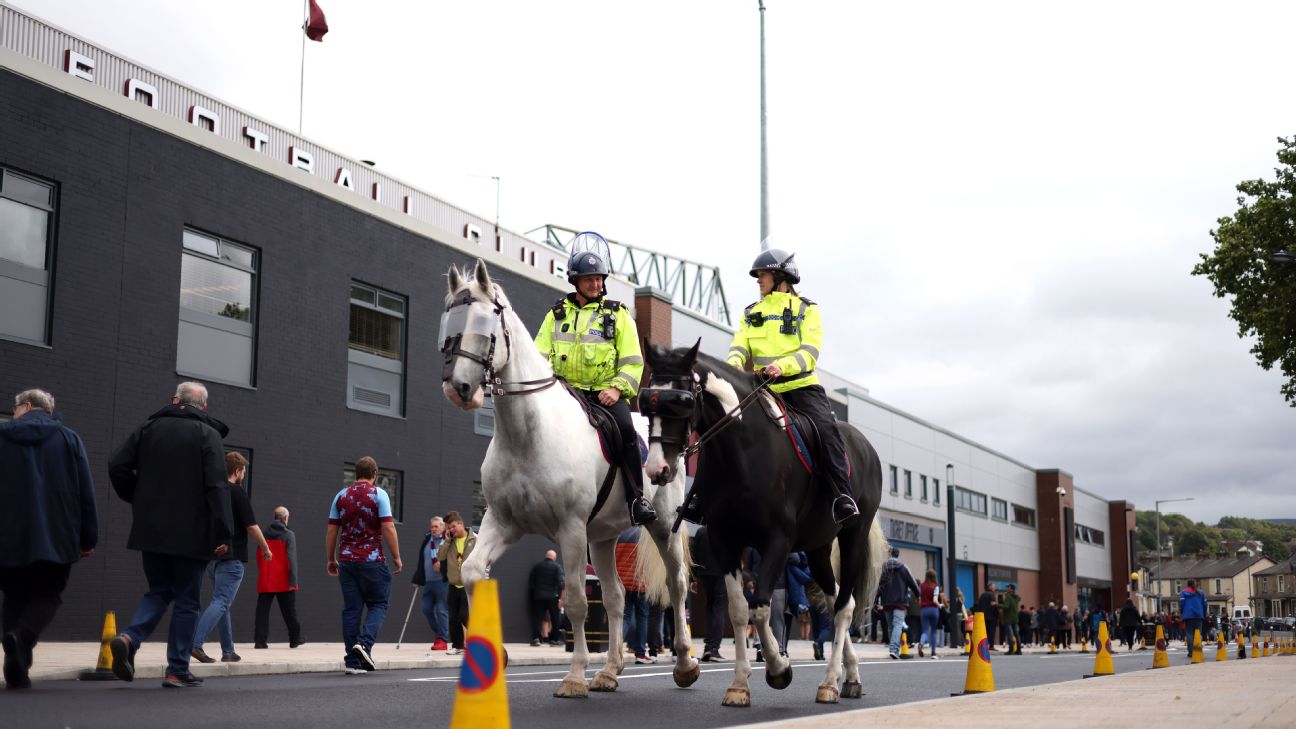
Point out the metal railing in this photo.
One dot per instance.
(692, 285)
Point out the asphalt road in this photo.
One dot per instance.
(396, 699)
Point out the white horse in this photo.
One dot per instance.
(542, 474)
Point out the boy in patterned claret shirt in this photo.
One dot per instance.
(360, 520)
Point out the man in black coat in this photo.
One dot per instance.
(48, 522)
(987, 605)
(544, 585)
(171, 471)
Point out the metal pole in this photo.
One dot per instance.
(1159, 576)
(301, 86)
(952, 582)
(764, 162)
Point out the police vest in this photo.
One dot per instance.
(782, 329)
(592, 347)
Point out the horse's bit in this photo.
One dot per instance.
(453, 329)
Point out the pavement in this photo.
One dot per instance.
(1257, 692)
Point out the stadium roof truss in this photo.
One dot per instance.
(695, 286)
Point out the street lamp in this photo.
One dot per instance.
(1159, 576)
(1283, 257)
(952, 582)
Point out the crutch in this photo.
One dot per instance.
(407, 614)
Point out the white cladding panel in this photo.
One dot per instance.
(1092, 560)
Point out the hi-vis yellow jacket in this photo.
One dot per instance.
(575, 340)
(764, 339)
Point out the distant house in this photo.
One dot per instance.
(1274, 590)
(1225, 582)
(1243, 548)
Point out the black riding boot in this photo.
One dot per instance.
(691, 509)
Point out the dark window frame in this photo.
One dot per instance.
(51, 238)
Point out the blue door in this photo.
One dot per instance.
(967, 583)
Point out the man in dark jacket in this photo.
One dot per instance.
(171, 471)
(544, 585)
(429, 576)
(48, 522)
(715, 604)
(897, 582)
(277, 578)
(988, 606)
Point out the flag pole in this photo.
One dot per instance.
(301, 86)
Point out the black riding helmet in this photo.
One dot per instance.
(590, 255)
(779, 262)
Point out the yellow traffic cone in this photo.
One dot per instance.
(1265, 649)
(1084, 644)
(1255, 645)
(481, 699)
(904, 645)
(1241, 651)
(1221, 652)
(1103, 665)
(1160, 659)
(980, 677)
(1195, 650)
(1052, 646)
(103, 667)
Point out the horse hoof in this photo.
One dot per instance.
(737, 697)
(779, 680)
(852, 690)
(571, 689)
(603, 683)
(826, 695)
(688, 676)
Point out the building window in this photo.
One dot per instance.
(1280, 583)
(484, 418)
(1217, 586)
(1023, 516)
(247, 477)
(922, 486)
(1089, 535)
(376, 351)
(388, 480)
(1000, 509)
(908, 484)
(895, 481)
(969, 501)
(217, 333)
(26, 255)
(478, 506)
(936, 491)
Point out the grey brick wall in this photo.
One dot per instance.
(125, 192)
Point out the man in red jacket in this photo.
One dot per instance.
(277, 578)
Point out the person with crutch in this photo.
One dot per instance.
(431, 582)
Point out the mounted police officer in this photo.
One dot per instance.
(593, 344)
(780, 337)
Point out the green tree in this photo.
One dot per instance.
(1263, 290)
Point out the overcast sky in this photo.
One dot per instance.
(996, 204)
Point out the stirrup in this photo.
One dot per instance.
(691, 510)
(844, 508)
(642, 512)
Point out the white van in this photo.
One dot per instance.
(1242, 613)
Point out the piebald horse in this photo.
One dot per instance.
(756, 492)
(542, 473)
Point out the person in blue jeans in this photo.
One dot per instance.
(226, 573)
(428, 576)
(897, 582)
(929, 611)
(360, 522)
(635, 621)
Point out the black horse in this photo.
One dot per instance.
(756, 492)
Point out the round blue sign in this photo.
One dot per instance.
(983, 650)
(481, 666)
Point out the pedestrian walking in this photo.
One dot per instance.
(49, 521)
(896, 585)
(458, 545)
(427, 575)
(929, 610)
(359, 523)
(1192, 606)
(1010, 605)
(544, 586)
(957, 619)
(277, 580)
(715, 597)
(635, 620)
(1129, 623)
(171, 470)
(226, 573)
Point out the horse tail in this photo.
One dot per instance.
(651, 569)
(878, 549)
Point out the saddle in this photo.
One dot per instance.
(801, 430)
(609, 436)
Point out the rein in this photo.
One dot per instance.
(494, 385)
(718, 426)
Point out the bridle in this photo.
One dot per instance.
(452, 346)
(675, 403)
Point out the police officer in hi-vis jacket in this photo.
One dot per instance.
(593, 344)
(780, 337)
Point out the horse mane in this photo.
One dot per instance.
(742, 382)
